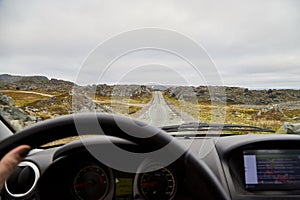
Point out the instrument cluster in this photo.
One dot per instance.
(86, 178)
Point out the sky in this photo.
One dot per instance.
(245, 43)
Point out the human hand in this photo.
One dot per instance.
(10, 161)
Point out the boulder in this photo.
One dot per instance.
(17, 117)
(292, 128)
(6, 100)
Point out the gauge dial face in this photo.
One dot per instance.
(160, 184)
(91, 182)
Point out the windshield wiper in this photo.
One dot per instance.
(198, 126)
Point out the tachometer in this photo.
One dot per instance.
(91, 182)
(160, 184)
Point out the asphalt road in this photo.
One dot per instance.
(160, 114)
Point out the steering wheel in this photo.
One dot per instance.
(199, 176)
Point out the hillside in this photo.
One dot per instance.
(28, 99)
(233, 95)
(34, 83)
(264, 108)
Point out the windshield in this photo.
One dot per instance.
(164, 63)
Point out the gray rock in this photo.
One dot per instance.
(83, 103)
(6, 100)
(292, 128)
(17, 117)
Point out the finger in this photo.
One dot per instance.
(11, 160)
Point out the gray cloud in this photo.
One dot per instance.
(253, 43)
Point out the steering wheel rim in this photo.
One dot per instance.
(65, 126)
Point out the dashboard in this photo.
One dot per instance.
(250, 166)
(261, 166)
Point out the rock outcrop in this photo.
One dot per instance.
(131, 91)
(234, 95)
(30, 83)
(83, 103)
(17, 117)
(292, 128)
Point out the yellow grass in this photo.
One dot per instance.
(228, 114)
(123, 105)
(22, 99)
(122, 100)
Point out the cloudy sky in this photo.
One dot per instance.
(252, 43)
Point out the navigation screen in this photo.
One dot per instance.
(272, 169)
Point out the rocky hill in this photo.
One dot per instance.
(234, 95)
(259, 105)
(131, 91)
(48, 98)
(42, 83)
(30, 83)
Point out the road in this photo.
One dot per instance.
(160, 114)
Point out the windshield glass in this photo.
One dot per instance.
(165, 63)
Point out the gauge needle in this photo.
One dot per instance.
(83, 184)
(151, 184)
(100, 179)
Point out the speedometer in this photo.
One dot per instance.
(160, 184)
(91, 182)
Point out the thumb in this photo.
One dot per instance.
(10, 161)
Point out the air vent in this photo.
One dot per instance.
(23, 180)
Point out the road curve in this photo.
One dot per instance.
(160, 114)
(28, 92)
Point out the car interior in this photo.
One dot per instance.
(150, 100)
